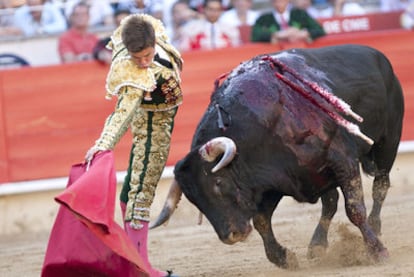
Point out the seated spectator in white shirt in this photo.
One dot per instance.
(39, 17)
(152, 7)
(181, 14)
(101, 13)
(209, 33)
(7, 27)
(316, 9)
(394, 5)
(407, 17)
(197, 5)
(329, 8)
(348, 8)
(241, 14)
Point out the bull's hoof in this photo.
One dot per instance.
(316, 251)
(382, 256)
(291, 261)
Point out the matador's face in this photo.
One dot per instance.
(143, 58)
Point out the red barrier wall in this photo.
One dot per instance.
(50, 116)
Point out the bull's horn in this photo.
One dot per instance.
(216, 146)
(173, 197)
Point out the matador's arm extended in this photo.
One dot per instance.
(117, 123)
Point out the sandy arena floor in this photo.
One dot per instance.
(194, 250)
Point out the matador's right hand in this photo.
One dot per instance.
(91, 153)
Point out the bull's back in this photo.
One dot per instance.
(360, 75)
(350, 69)
(364, 78)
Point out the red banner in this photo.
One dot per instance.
(362, 23)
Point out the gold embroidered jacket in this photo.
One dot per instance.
(156, 88)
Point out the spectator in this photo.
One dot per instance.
(38, 17)
(241, 14)
(286, 24)
(393, 5)
(197, 5)
(208, 33)
(348, 8)
(77, 43)
(181, 13)
(101, 52)
(15, 3)
(100, 12)
(152, 7)
(167, 12)
(316, 9)
(407, 17)
(7, 26)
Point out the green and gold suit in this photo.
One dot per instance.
(147, 103)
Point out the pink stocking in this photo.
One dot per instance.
(140, 239)
(123, 210)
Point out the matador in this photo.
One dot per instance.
(145, 77)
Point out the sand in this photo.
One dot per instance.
(190, 249)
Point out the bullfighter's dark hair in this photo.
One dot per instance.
(138, 34)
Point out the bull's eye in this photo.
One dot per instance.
(217, 187)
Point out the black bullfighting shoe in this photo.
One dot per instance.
(170, 274)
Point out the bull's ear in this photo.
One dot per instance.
(187, 162)
(180, 166)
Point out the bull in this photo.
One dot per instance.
(299, 123)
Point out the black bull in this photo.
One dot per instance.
(274, 129)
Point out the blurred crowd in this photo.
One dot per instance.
(190, 24)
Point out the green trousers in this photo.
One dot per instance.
(149, 153)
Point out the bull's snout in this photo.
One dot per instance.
(237, 236)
